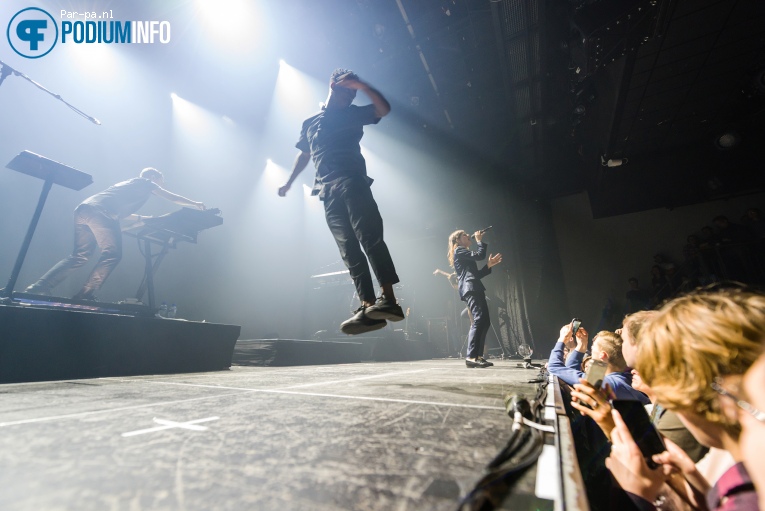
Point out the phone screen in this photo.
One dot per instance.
(596, 372)
(575, 324)
(642, 430)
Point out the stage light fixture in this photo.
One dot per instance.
(613, 162)
(727, 140)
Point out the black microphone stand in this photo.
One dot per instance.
(6, 71)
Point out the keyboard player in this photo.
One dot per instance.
(97, 224)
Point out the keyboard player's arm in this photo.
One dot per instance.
(177, 199)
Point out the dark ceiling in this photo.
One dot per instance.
(546, 93)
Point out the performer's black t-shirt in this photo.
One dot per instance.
(332, 137)
(124, 198)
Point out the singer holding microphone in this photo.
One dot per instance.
(471, 290)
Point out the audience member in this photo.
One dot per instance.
(666, 421)
(659, 285)
(607, 347)
(636, 299)
(693, 350)
(728, 232)
(750, 406)
(755, 223)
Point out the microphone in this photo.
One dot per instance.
(482, 230)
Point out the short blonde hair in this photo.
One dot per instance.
(696, 338)
(611, 343)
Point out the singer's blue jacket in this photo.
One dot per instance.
(468, 274)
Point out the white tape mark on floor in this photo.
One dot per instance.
(360, 378)
(166, 424)
(242, 390)
(338, 396)
(121, 409)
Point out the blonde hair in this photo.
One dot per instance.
(454, 239)
(611, 344)
(633, 323)
(694, 339)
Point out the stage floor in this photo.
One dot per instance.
(367, 436)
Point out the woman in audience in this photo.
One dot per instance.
(685, 350)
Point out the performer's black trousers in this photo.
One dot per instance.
(355, 222)
(476, 302)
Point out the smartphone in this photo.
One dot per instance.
(575, 324)
(643, 431)
(596, 372)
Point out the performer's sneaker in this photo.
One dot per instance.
(488, 364)
(360, 323)
(385, 308)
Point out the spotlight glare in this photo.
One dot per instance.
(173, 95)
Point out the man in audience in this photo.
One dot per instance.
(606, 347)
(636, 299)
(694, 350)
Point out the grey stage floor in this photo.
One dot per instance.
(388, 436)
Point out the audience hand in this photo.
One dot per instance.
(582, 337)
(675, 459)
(593, 403)
(565, 336)
(627, 465)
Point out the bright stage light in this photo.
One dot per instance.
(233, 24)
(296, 93)
(273, 176)
(97, 63)
(192, 121)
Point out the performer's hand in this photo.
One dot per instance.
(478, 235)
(283, 190)
(133, 220)
(351, 83)
(494, 260)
